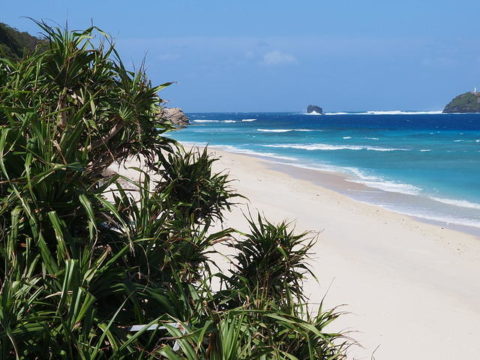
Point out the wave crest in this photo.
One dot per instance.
(285, 130)
(458, 203)
(213, 121)
(237, 150)
(327, 147)
(387, 112)
(400, 112)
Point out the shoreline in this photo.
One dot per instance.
(347, 185)
(327, 180)
(410, 287)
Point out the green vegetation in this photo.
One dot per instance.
(14, 44)
(91, 269)
(464, 103)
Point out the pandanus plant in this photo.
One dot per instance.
(93, 269)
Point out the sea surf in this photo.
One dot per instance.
(423, 164)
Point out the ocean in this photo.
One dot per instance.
(423, 164)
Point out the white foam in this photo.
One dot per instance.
(274, 130)
(285, 130)
(193, 143)
(347, 137)
(400, 112)
(458, 203)
(425, 150)
(467, 140)
(372, 138)
(234, 149)
(248, 120)
(382, 184)
(313, 113)
(327, 147)
(386, 112)
(390, 186)
(444, 219)
(214, 121)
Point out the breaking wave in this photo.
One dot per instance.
(387, 112)
(214, 121)
(237, 150)
(382, 184)
(327, 147)
(285, 130)
(458, 203)
(444, 219)
(400, 112)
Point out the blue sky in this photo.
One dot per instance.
(266, 55)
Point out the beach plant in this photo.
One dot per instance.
(271, 262)
(96, 266)
(75, 81)
(193, 187)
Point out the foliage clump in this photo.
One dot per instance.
(14, 44)
(92, 267)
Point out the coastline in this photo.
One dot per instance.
(357, 191)
(335, 179)
(410, 287)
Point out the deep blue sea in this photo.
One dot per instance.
(421, 164)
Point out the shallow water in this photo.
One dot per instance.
(420, 164)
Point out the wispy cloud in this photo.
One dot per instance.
(276, 57)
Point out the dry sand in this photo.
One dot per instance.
(411, 289)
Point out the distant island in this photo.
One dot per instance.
(465, 103)
(314, 109)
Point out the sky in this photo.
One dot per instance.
(266, 55)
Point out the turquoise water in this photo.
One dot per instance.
(421, 164)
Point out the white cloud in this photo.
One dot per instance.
(276, 57)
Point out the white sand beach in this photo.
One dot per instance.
(410, 290)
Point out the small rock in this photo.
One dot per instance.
(314, 109)
(175, 115)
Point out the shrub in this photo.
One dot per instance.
(83, 277)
